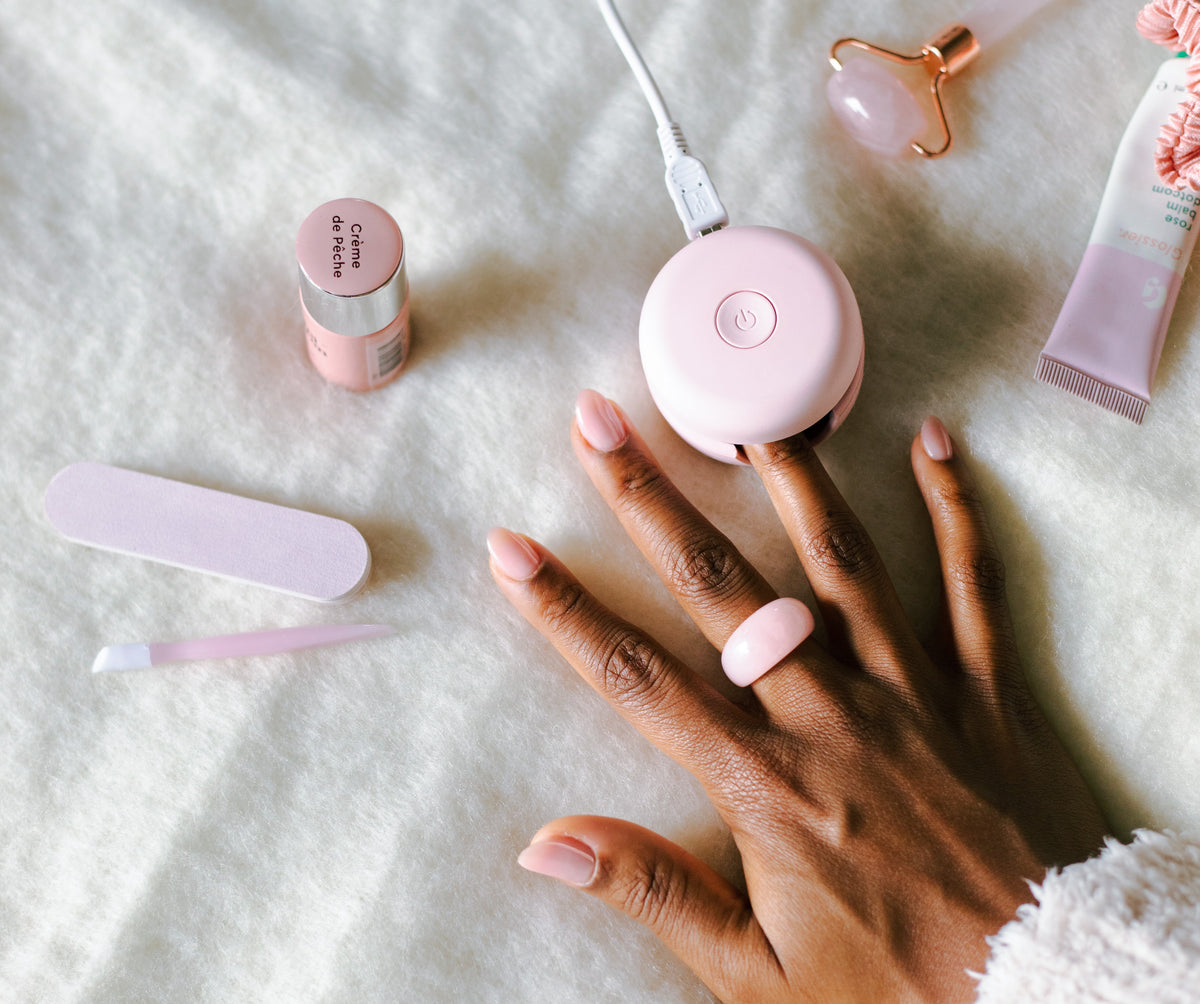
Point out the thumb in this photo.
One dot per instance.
(694, 911)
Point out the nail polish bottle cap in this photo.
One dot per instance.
(352, 275)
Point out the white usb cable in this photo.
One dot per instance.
(691, 189)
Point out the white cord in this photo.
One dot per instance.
(695, 197)
(640, 70)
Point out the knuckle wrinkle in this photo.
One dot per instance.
(955, 499)
(640, 480)
(560, 608)
(706, 566)
(652, 889)
(782, 458)
(979, 576)
(629, 668)
(841, 545)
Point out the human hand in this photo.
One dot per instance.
(890, 802)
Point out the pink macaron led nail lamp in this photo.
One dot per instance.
(749, 334)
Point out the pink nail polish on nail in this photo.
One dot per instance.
(512, 555)
(935, 440)
(599, 422)
(567, 861)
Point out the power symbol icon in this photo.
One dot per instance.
(745, 319)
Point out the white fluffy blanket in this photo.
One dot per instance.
(343, 825)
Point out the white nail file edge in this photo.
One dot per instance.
(293, 551)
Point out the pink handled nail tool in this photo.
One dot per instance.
(227, 646)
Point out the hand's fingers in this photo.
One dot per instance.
(711, 579)
(675, 709)
(694, 911)
(713, 582)
(972, 572)
(861, 610)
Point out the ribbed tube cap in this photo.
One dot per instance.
(352, 275)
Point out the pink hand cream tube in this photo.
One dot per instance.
(1109, 336)
(354, 293)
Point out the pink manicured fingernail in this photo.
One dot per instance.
(565, 860)
(512, 555)
(599, 422)
(935, 440)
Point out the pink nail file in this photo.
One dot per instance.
(297, 552)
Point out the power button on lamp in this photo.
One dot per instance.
(746, 319)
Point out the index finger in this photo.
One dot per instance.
(669, 704)
(704, 571)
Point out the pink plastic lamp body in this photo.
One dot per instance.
(750, 335)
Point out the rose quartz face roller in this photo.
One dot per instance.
(879, 111)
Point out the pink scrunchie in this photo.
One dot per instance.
(1176, 25)
(1178, 154)
(1173, 23)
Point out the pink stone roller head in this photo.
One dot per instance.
(879, 111)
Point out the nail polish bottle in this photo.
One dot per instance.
(354, 293)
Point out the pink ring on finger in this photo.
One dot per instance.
(764, 639)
